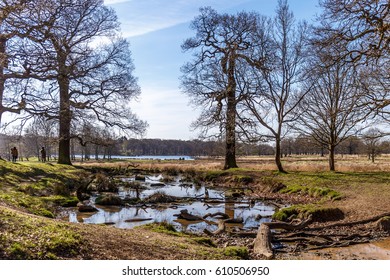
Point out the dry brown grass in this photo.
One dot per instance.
(344, 163)
(349, 163)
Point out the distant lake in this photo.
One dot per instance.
(155, 157)
(145, 157)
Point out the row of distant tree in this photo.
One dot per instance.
(106, 146)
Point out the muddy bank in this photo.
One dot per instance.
(377, 250)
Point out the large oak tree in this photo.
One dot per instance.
(221, 46)
(79, 63)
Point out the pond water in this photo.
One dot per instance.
(252, 213)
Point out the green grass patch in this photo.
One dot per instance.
(204, 241)
(64, 201)
(210, 176)
(28, 237)
(237, 252)
(242, 179)
(39, 187)
(164, 227)
(318, 213)
(319, 192)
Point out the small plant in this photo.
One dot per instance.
(240, 253)
(211, 176)
(204, 241)
(242, 179)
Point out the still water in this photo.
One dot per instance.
(198, 204)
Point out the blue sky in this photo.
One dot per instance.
(156, 29)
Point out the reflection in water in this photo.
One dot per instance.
(118, 216)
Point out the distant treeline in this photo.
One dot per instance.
(290, 146)
(134, 147)
(29, 145)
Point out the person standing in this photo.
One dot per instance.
(14, 154)
(43, 154)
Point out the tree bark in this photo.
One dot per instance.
(278, 157)
(331, 158)
(65, 113)
(262, 244)
(2, 79)
(230, 141)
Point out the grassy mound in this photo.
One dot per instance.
(319, 214)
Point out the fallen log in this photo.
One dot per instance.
(222, 223)
(188, 216)
(138, 220)
(220, 214)
(234, 221)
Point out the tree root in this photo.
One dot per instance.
(353, 223)
(308, 239)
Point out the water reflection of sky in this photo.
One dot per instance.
(251, 214)
(174, 188)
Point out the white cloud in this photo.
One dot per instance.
(141, 17)
(167, 112)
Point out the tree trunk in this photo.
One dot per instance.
(262, 245)
(65, 120)
(2, 79)
(278, 153)
(230, 141)
(331, 158)
(230, 145)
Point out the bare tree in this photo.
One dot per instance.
(280, 91)
(65, 54)
(40, 132)
(333, 109)
(372, 140)
(220, 47)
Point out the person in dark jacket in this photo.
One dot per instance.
(43, 154)
(14, 154)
